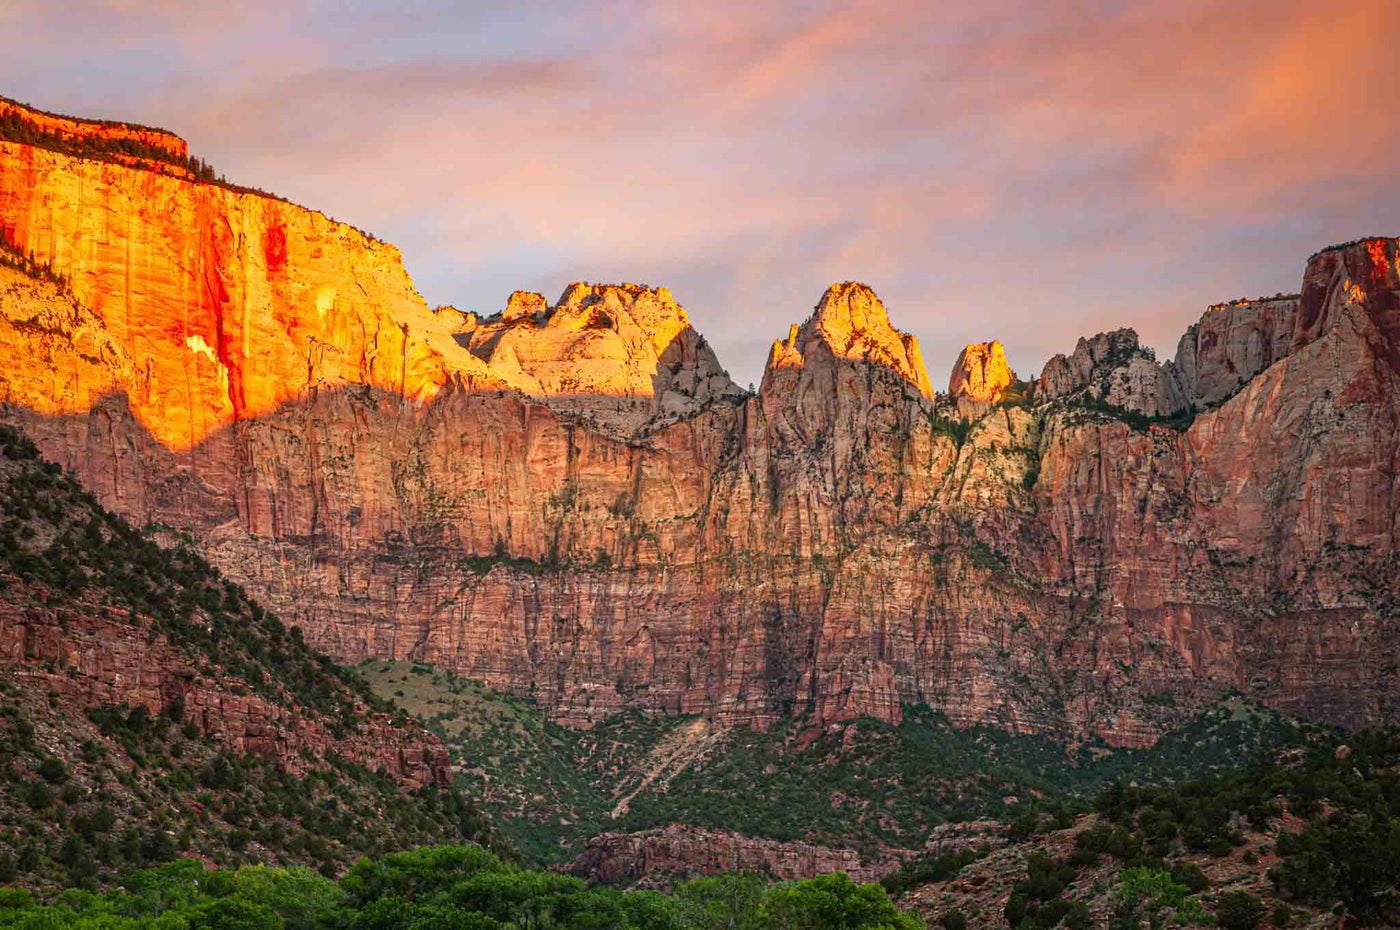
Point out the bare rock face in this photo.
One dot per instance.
(850, 323)
(96, 655)
(979, 380)
(71, 129)
(842, 374)
(981, 373)
(622, 357)
(223, 305)
(1231, 344)
(555, 504)
(660, 857)
(1115, 369)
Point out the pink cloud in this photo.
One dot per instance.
(1028, 171)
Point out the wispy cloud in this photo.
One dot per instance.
(1027, 171)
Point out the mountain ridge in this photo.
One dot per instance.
(842, 544)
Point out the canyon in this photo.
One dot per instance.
(574, 502)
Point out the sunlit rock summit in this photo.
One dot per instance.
(624, 357)
(574, 502)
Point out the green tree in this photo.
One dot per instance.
(720, 902)
(416, 874)
(1239, 910)
(650, 910)
(1144, 893)
(832, 902)
(299, 896)
(53, 771)
(1190, 875)
(233, 914)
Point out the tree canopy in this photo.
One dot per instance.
(459, 887)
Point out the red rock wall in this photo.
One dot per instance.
(826, 546)
(94, 654)
(660, 857)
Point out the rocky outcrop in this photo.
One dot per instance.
(385, 477)
(624, 358)
(94, 655)
(1114, 369)
(658, 858)
(965, 834)
(1230, 345)
(981, 373)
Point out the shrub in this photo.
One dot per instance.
(1239, 910)
(38, 795)
(53, 771)
(1191, 912)
(1190, 875)
(1015, 910)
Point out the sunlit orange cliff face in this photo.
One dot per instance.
(574, 501)
(80, 129)
(217, 306)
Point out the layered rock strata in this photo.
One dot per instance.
(584, 509)
(93, 654)
(658, 858)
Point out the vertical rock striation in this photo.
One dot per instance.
(574, 502)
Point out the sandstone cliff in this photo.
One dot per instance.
(90, 655)
(1115, 369)
(658, 858)
(223, 306)
(561, 508)
(623, 358)
(981, 372)
(1230, 345)
(76, 129)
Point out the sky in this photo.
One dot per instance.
(1031, 172)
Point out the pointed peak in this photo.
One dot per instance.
(981, 372)
(852, 323)
(852, 306)
(524, 304)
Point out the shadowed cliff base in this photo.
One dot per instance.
(845, 543)
(488, 535)
(149, 706)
